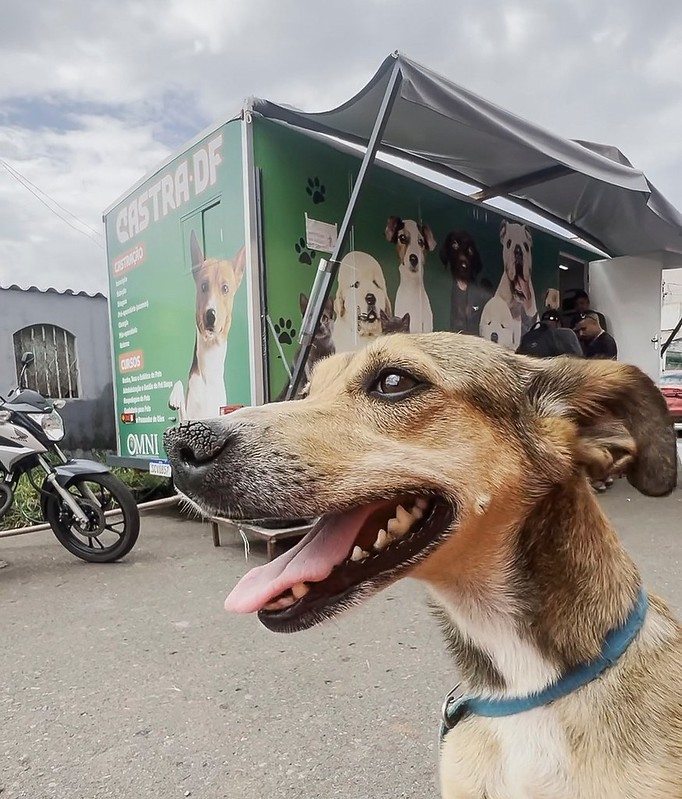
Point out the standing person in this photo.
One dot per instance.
(597, 343)
(583, 306)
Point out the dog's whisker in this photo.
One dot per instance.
(247, 545)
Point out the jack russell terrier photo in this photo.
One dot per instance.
(412, 242)
(216, 282)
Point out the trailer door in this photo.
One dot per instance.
(627, 291)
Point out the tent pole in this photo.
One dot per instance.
(328, 270)
(671, 337)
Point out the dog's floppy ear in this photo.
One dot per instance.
(197, 256)
(528, 235)
(445, 249)
(429, 238)
(394, 224)
(303, 303)
(239, 262)
(503, 230)
(621, 419)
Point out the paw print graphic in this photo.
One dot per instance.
(316, 190)
(285, 331)
(305, 256)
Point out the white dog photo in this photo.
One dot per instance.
(516, 284)
(498, 325)
(360, 297)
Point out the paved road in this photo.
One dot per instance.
(130, 681)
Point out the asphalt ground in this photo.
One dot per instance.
(130, 680)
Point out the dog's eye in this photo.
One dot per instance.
(455, 245)
(471, 252)
(526, 247)
(225, 288)
(402, 238)
(355, 285)
(421, 243)
(394, 385)
(508, 243)
(204, 286)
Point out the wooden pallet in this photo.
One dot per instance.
(274, 538)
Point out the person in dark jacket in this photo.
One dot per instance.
(568, 339)
(597, 343)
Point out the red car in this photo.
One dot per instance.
(670, 384)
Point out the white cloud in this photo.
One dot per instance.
(144, 76)
(83, 170)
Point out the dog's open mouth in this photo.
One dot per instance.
(346, 554)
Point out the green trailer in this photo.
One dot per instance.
(214, 256)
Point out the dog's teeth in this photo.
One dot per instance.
(402, 522)
(403, 516)
(383, 540)
(358, 554)
(299, 590)
(416, 512)
(281, 602)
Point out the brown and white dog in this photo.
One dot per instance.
(216, 283)
(456, 462)
(412, 243)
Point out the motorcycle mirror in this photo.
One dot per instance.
(27, 359)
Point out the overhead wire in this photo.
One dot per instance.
(37, 192)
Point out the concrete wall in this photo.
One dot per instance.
(89, 420)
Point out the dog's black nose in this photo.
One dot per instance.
(413, 260)
(494, 338)
(209, 318)
(370, 299)
(192, 446)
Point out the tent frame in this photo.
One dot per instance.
(328, 268)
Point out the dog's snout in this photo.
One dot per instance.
(194, 444)
(370, 299)
(414, 261)
(494, 338)
(210, 317)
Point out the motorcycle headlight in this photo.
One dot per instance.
(53, 426)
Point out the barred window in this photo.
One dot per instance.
(55, 370)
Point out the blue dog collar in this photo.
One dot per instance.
(455, 707)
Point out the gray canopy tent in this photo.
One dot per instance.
(410, 111)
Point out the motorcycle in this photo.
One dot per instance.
(91, 512)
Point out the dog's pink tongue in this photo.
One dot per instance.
(310, 561)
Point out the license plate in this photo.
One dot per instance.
(160, 468)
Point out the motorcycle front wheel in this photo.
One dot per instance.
(113, 519)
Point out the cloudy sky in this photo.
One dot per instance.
(93, 94)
